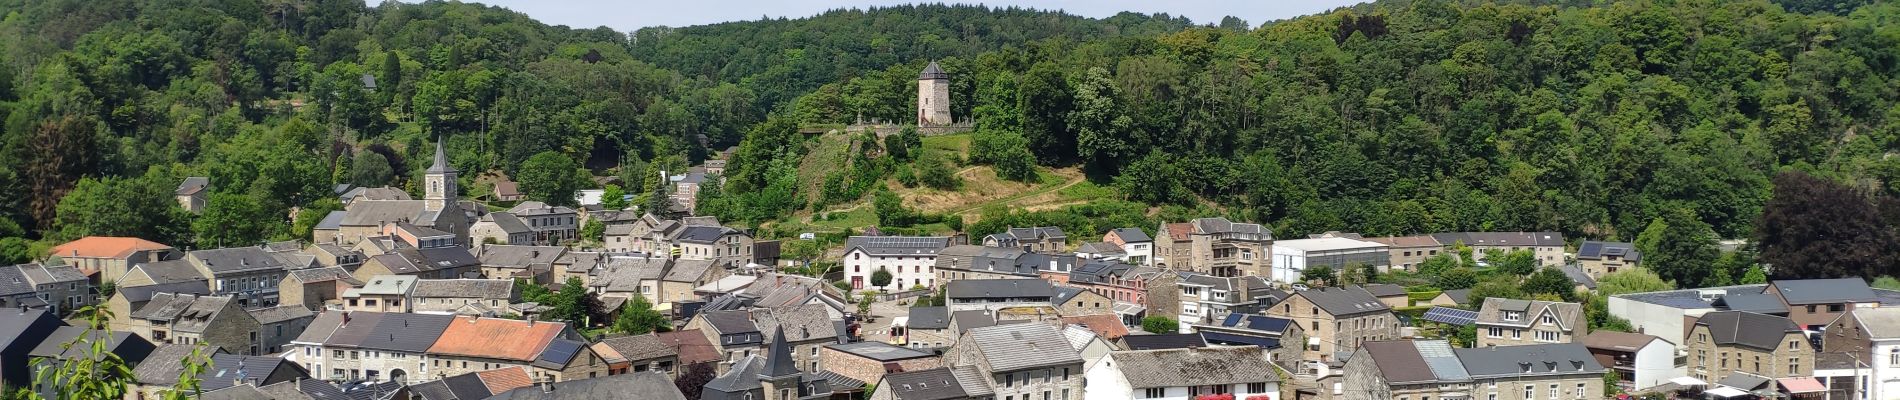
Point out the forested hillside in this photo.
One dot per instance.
(1396, 117)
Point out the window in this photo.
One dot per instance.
(1810, 308)
(1257, 387)
(1547, 319)
(1154, 393)
(1794, 366)
(1793, 344)
(338, 355)
(1009, 380)
(1530, 391)
(1893, 357)
(1517, 333)
(1834, 308)
(1495, 332)
(1553, 390)
(1581, 390)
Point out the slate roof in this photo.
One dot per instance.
(1023, 346)
(304, 389)
(54, 345)
(323, 274)
(932, 72)
(641, 347)
(1406, 241)
(1492, 312)
(1131, 235)
(1223, 226)
(409, 261)
(1759, 331)
(519, 257)
(220, 370)
(1385, 290)
(688, 270)
(140, 295)
(441, 164)
(1099, 248)
(1527, 239)
(1345, 301)
(458, 387)
(704, 234)
(192, 185)
(405, 332)
(280, 313)
(536, 208)
(1595, 250)
(1824, 291)
(41, 274)
(1163, 341)
(999, 288)
(241, 392)
(248, 258)
(801, 323)
(384, 285)
(950, 383)
(1461, 296)
(934, 318)
(374, 194)
(1755, 303)
(879, 351)
(649, 386)
(13, 282)
(1540, 359)
(1743, 380)
(897, 245)
(1578, 276)
(509, 223)
(743, 376)
(104, 247)
(498, 289)
(1201, 366)
(371, 212)
(624, 274)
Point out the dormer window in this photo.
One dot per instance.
(1512, 316)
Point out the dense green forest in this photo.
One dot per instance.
(1597, 119)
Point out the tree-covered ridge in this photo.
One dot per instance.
(782, 58)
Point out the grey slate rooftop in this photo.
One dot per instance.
(1195, 367)
(1759, 331)
(1018, 347)
(879, 351)
(1346, 301)
(1000, 288)
(951, 383)
(1823, 291)
(1540, 359)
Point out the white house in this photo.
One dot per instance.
(1183, 374)
(911, 260)
(1137, 247)
(1206, 299)
(1873, 336)
(1293, 257)
(1643, 361)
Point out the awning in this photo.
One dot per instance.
(1726, 392)
(1687, 381)
(1801, 385)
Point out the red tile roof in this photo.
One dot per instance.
(1179, 231)
(505, 379)
(496, 338)
(105, 247)
(1108, 326)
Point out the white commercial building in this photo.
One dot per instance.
(911, 260)
(1291, 258)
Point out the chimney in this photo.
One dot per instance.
(547, 385)
(530, 319)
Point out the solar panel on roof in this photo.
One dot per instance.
(559, 351)
(1451, 316)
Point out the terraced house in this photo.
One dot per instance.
(1022, 361)
(1511, 322)
(412, 348)
(250, 274)
(1432, 369)
(1216, 246)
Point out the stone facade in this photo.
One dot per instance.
(1710, 361)
(1334, 333)
(870, 370)
(933, 97)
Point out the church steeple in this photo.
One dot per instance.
(440, 178)
(779, 361)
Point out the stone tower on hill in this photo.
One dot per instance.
(933, 97)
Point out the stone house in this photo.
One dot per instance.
(61, 287)
(192, 193)
(1432, 369)
(315, 288)
(222, 370)
(1183, 374)
(678, 283)
(870, 361)
(728, 247)
(1873, 336)
(1077, 301)
(434, 263)
(532, 263)
(446, 296)
(277, 326)
(216, 321)
(1280, 336)
(1726, 342)
(1218, 247)
(1511, 322)
(250, 274)
(1042, 239)
(625, 277)
(110, 257)
(925, 328)
(1028, 360)
(500, 228)
(1407, 252)
(1601, 258)
(997, 294)
(774, 375)
(333, 255)
(405, 347)
(644, 353)
(963, 262)
(1337, 319)
(739, 333)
